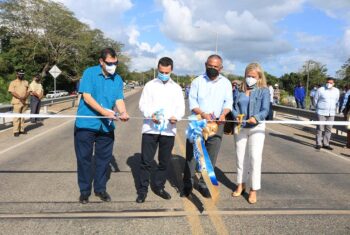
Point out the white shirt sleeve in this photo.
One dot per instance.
(144, 102)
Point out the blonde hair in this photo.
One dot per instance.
(262, 79)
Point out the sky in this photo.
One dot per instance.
(279, 34)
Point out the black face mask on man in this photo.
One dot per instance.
(212, 73)
(21, 76)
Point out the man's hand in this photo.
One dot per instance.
(124, 116)
(206, 116)
(173, 120)
(252, 120)
(154, 119)
(110, 114)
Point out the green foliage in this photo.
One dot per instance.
(37, 34)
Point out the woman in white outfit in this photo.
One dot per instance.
(251, 107)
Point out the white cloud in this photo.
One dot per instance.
(346, 42)
(306, 38)
(102, 14)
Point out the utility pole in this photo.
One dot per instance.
(216, 43)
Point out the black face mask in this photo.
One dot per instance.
(212, 73)
(21, 77)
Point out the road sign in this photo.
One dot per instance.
(55, 71)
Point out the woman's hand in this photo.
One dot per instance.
(252, 120)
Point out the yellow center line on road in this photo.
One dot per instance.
(194, 220)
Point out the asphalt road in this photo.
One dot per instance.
(304, 191)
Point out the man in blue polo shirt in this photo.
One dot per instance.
(102, 92)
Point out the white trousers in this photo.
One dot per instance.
(249, 148)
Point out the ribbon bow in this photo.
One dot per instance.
(195, 134)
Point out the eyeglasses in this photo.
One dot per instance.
(111, 63)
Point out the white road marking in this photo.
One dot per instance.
(329, 152)
(34, 137)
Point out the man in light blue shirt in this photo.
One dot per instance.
(211, 98)
(326, 99)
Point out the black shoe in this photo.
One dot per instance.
(141, 198)
(186, 192)
(163, 194)
(318, 147)
(104, 196)
(23, 132)
(16, 134)
(327, 147)
(205, 192)
(83, 199)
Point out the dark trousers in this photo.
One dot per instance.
(149, 146)
(84, 142)
(34, 107)
(213, 146)
(300, 103)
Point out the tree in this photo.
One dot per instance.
(37, 34)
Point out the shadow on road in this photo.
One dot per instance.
(134, 164)
(222, 178)
(175, 170)
(292, 139)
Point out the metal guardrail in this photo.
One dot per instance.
(44, 103)
(309, 114)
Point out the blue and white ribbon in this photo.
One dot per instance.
(161, 126)
(200, 153)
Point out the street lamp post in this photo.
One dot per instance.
(216, 43)
(308, 77)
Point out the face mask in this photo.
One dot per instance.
(21, 76)
(163, 77)
(251, 82)
(212, 73)
(329, 86)
(111, 69)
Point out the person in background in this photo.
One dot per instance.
(162, 101)
(346, 113)
(276, 94)
(19, 90)
(253, 101)
(235, 89)
(271, 91)
(344, 99)
(36, 94)
(187, 91)
(299, 95)
(312, 97)
(326, 99)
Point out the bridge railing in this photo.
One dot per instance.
(309, 114)
(45, 103)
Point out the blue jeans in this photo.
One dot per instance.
(300, 103)
(92, 168)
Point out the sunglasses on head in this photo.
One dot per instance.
(110, 63)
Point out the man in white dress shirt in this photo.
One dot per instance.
(162, 102)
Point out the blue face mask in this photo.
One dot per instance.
(163, 77)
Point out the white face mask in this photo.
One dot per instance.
(251, 81)
(111, 69)
(329, 86)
